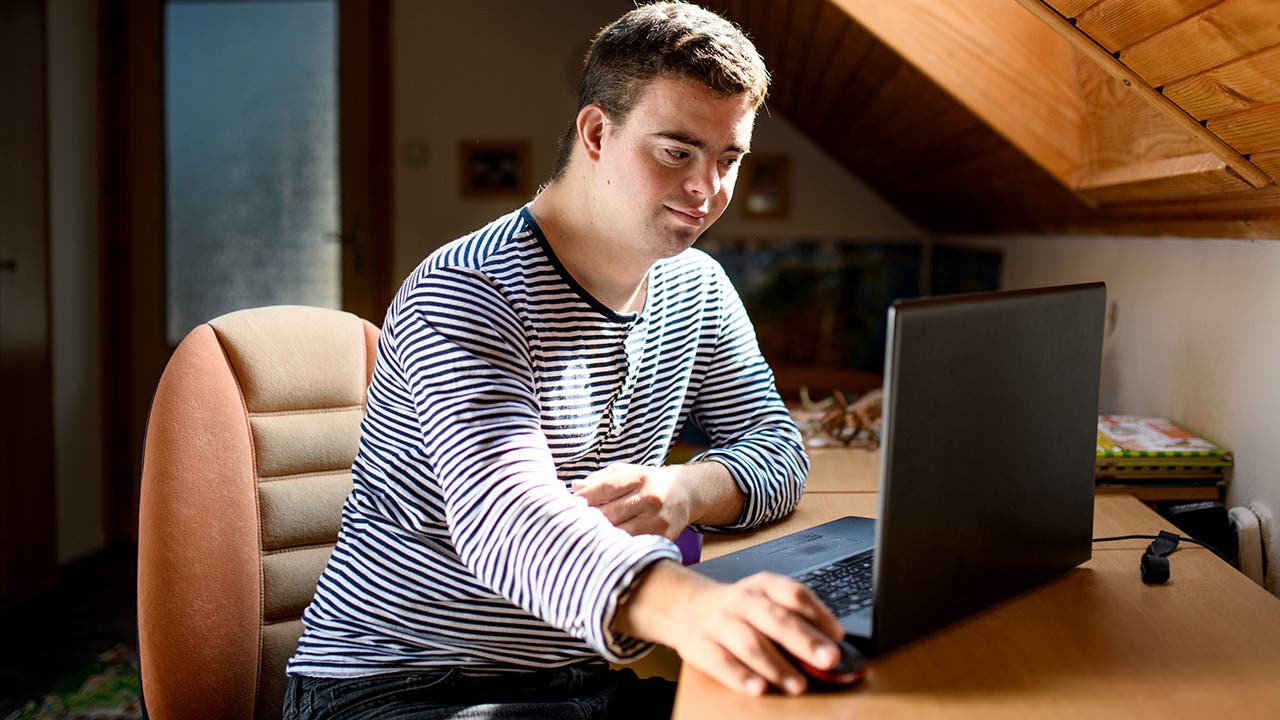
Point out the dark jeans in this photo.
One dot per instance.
(588, 690)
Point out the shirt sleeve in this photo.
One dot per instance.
(751, 432)
(511, 519)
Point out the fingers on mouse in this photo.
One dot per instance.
(849, 670)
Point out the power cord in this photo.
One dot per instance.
(1155, 561)
(1181, 538)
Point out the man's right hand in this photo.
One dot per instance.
(733, 631)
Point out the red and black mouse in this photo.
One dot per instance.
(848, 670)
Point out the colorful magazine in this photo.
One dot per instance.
(1140, 439)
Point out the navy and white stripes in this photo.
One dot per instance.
(498, 382)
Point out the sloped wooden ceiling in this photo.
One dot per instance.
(1211, 62)
(979, 116)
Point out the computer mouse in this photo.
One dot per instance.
(848, 670)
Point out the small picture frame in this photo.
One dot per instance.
(494, 168)
(766, 186)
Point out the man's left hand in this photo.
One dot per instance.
(640, 499)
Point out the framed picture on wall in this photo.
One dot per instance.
(766, 186)
(494, 168)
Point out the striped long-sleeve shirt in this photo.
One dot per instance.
(498, 382)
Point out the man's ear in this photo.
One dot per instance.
(592, 122)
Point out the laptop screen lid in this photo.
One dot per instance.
(987, 457)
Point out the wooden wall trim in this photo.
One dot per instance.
(365, 149)
(135, 351)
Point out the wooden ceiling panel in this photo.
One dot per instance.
(1251, 131)
(831, 55)
(755, 15)
(1252, 81)
(1224, 32)
(869, 110)
(1269, 163)
(801, 26)
(821, 103)
(1120, 23)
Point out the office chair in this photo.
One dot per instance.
(246, 464)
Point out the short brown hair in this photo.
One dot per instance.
(667, 38)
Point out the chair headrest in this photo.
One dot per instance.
(291, 357)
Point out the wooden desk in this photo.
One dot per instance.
(1094, 643)
(843, 470)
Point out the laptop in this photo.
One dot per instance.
(989, 435)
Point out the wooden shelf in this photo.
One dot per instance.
(1159, 493)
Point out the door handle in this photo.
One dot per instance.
(352, 240)
(8, 265)
(353, 237)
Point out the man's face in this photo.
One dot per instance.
(667, 172)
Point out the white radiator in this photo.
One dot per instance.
(1253, 525)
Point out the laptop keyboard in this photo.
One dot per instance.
(845, 586)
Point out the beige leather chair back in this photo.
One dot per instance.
(247, 462)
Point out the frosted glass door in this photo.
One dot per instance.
(251, 158)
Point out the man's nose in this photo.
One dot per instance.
(704, 180)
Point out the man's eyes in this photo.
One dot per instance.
(676, 155)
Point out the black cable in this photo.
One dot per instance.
(1181, 538)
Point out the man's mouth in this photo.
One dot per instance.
(690, 216)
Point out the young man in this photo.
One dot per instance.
(511, 519)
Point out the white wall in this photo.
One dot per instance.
(74, 204)
(1196, 337)
(507, 69)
